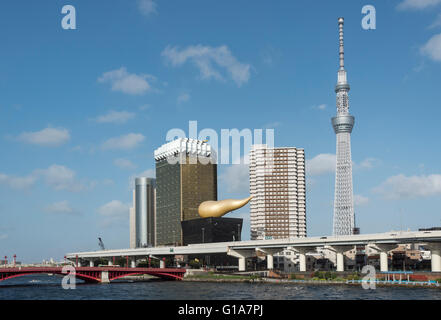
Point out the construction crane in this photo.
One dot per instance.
(101, 244)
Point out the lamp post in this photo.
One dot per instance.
(15, 257)
(6, 261)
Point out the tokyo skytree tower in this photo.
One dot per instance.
(344, 220)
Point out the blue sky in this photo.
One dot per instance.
(81, 111)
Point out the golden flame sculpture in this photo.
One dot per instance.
(220, 208)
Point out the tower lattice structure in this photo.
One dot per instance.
(344, 219)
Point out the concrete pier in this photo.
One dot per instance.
(269, 256)
(384, 248)
(105, 277)
(242, 255)
(302, 251)
(340, 250)
(435, 251)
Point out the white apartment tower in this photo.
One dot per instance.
(277, 184)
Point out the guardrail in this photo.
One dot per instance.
(398, 282)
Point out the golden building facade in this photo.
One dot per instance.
(186, 176)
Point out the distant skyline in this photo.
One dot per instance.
(81, 111)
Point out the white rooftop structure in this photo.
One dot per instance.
(188, 146)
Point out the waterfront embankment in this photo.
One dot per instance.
(351, 281)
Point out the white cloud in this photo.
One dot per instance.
(401, 186)
(310, 183)
(48, 137)
(267, 59)
(144, 107)
(417, 4)
(76, 149)
(149, 173)
(125, 82)
(320, 107)
(433, 48)
(147, 7)
(325, 163)
(60, 178)
(56, 176)
(125, 142)
(108, 182)
(117, 117)
(236, 178)
(321, 164)
(272, 125)
(206, 58)
(18, 183)
(360, 200)
(114, 208)
(436, 23)
(183, 98)
(270, 56)
(369, 163)
(61, 207)
(3, 236)
(124, 163)
(114, 212)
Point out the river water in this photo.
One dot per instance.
(35, 287)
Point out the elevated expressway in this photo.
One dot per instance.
(382, 242)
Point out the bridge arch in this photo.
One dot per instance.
(93, 274)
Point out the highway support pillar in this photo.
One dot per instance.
(110, 263)
(435, 252)
(91, 263)
(242, 255)
(269, 256)
(384, 248)
(162, 263)
(302, 251)
(436, 260)
(340, 250)
(133, 263)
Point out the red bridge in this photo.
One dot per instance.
(95, 274)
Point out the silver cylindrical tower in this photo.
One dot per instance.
(343, 122)
(144, 211)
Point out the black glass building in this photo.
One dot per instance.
(207, 230)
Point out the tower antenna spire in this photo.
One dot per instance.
(341, 22)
